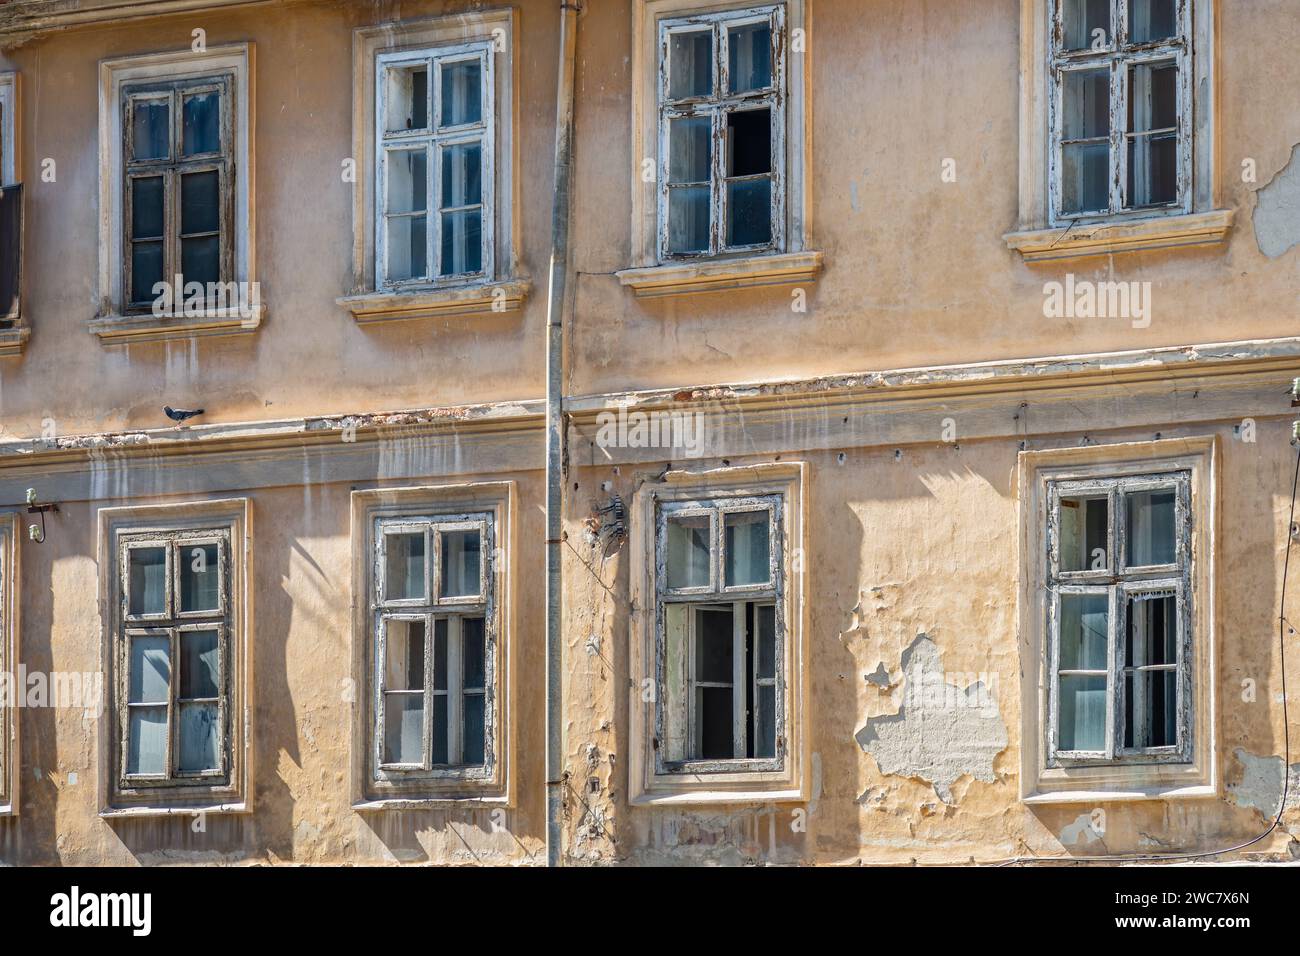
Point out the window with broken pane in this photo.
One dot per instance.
(1121, 107)
(434, 166)
(434, 648)
(174, 696)
(178, 189)
(720, 639)
(721, 102)
(1119, 607)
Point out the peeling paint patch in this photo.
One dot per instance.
(879, 677)
(1260, 787)
(941, 732)
(1081, 832)
(1277, 210)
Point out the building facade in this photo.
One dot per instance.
(927, 413)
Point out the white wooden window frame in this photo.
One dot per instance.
(225, 522)
(491, 784)
(734, 782)
(717, 106)
(1117, 56)
(10, 627)
(428, 609)
(1044, 780)
(717, 594)
(113, 321)
(434, 140)
(1117, 581)
(171, 623)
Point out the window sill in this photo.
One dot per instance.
(479, 299)
(722, 275)
(449, 802)
(13, 340)
(150, 328)
(1197, 792)
(1106, 238)
(173, 811)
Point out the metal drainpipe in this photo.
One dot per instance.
(555, 477)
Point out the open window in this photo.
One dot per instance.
(717, 665)
(12, 332)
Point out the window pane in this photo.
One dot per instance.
(1153, 96)
(147, 208)
(1084, 533)
(748, 548)
(200, 666)
(1151, 630)
(688, 551)
(408, 98)
(688, 219)
(461, 96)
(749, 57)
(439, 729)
(461, 564)
(1152, 170)
(749, 212)
(403, 655)
(200, 259)
(201, 132)
(404, 566)
(1085, 178)
(200, 202)
(149, 129)
(713, 645)
(690, 64)
(1150, 527)
(462, 242)
(148, 580)
(473, 711)
(1085, 104)
(407, 176)
(1082, 714)
(462, 175)
(200, 577)
(440, 653)
(404, 728)
(472, 653)
(766, 616)
(765, 742)
(146, 750)
(690, 152)
(146, 270)
(198, 738)
(1084, 631)
(1150, 20)
(1150, 709)
(1081, 20)
(713, 710)
(749, 142)
(150, 677)
(407, 249)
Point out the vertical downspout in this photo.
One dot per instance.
(555, 477)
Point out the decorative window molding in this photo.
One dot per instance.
(722, 252)
(1117, 128)
(413, 68)
(432, 646)
(10, 590)
(177, 658)
(1117, 603)
(124, 85)
(701, 625)
(13, 331)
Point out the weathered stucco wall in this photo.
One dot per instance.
(913, 538)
